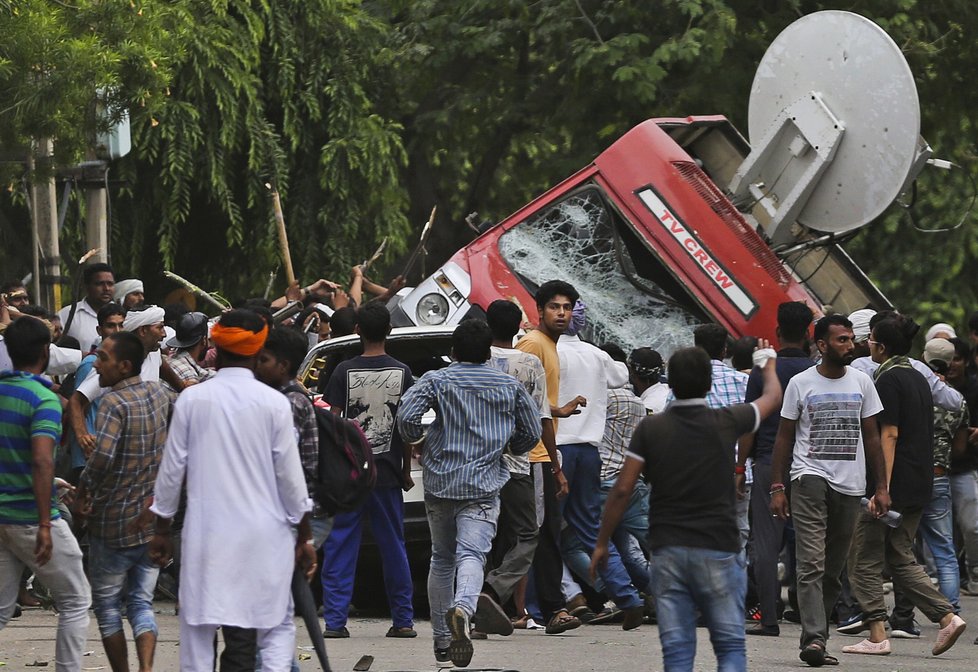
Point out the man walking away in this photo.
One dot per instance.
(233, 440)
(368, 389)
(32, 532)
(907, 436)
(697, 562)
(115, 489)
(828, 435)
(479, 412)
(516, 541)
(794, 320)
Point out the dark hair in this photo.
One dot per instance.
(961, 348)
(69, 342)
(794, 318)
(504, 318)
(614, 351)
(172, 312)
(288, 345)
(895, 334)
(880, 316)
(471, 342)
(260, 307)
(690, 373)
(127, 347)
(742, 352)
(343, 322)
(552, 288)
(645, 363)
(26, 339)
(91, 270)
(374, 322)
(973, 322)
(10, 285)
(108, 310)
(822, 326)
(712, 338)
(35, 311)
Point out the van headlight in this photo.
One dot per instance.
(432, 309)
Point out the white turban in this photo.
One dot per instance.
(860, 324)
(141, 318)
(124, 288)
(940, 327)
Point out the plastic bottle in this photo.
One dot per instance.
(891, 517)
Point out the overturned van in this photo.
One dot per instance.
(681, 221)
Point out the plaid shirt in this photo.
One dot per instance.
(130, 430)
(304, 419)
(186, 368)
(729, 386)
(625, 412)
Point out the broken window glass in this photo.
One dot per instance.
(632, 300)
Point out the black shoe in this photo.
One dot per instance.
(18, 611)
(342, 633)
(460, 649)
(854, 625)
(791, 616)
(634, 617)
(904, 629)
(490, 617)
(764, 630)
(443, 658)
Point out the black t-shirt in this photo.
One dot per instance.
(689, 465)
(369, 391)
(908, 404)
(968, 461)
(790, 361)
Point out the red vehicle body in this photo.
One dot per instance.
(650, 206)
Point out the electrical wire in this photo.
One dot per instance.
(974, 197)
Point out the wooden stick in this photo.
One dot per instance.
(191, 287)
(283, 236)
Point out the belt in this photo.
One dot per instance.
(940, 471)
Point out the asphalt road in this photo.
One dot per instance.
(30, 639)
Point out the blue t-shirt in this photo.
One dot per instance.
(369, 390)
(78, 458)
(790, 362)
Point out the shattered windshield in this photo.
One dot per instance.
(631, 299)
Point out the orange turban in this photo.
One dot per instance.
(238, 341)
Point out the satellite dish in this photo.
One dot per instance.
(834, 123)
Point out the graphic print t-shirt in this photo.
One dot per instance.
(828, 436)
(369, 390)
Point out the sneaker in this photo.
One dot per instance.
(753, 615)
(948, 635)
(490, 617)
(442, 658)
(854, 625)
(904, 629)
(869, 648)
(791, 616)
(460, 650)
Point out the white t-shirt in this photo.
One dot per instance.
(656, 397)
(828, 435)
(527, 369)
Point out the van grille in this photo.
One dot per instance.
(709, 192)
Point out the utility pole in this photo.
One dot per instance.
(44, 225)
(96, 218)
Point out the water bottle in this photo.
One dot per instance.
(891, 517)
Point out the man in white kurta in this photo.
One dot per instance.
(233, 439)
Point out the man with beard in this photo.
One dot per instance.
(828, 433)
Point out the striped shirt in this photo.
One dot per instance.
(625, 411)
(28, 409)
(306, 430)
(130, 431)
(478, 412)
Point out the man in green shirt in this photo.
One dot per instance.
(32, 532)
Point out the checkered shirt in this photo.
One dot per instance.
(625, 412)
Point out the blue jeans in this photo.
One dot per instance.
(114, 571)
(937, 530)
(582, 511)
(385, 507)
(685, 580)
(461, 537)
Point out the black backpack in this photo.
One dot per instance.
(347, 472)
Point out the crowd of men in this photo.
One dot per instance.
(565, 483)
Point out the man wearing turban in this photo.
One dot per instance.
(232, 439)
(129, 293)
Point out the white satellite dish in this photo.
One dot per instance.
(834, 124)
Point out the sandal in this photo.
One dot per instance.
(562, 622)
(814, 654)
